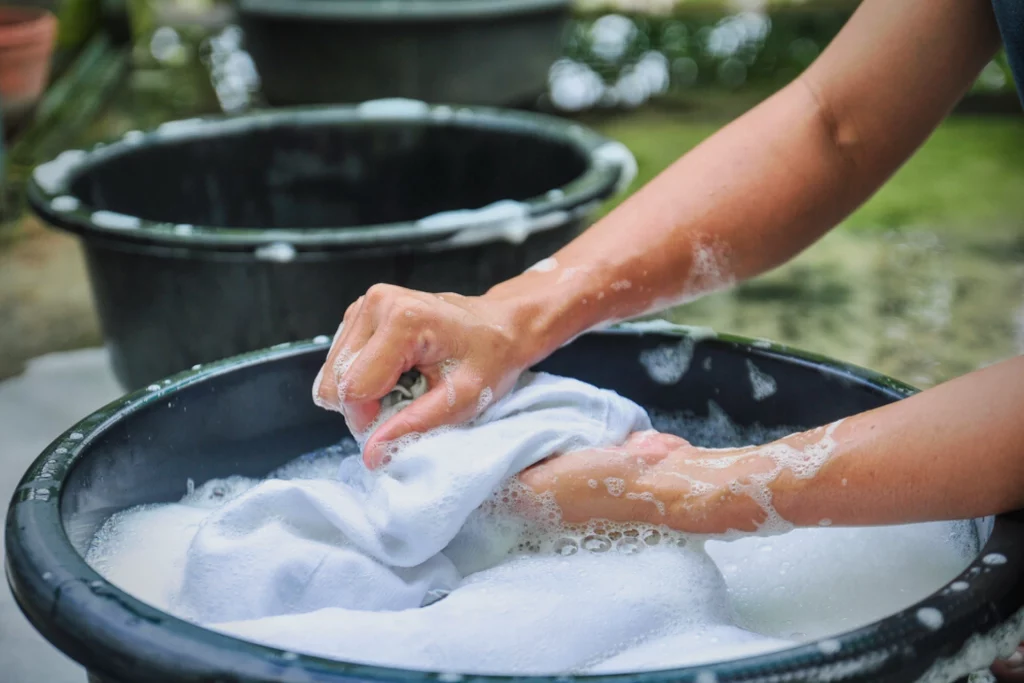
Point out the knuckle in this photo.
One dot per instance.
(409, 310)
(353, 308)
(379, 292)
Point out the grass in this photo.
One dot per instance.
(969, 175)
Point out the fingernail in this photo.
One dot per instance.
(374, 457)
(1016, 660)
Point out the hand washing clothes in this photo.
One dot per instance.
(407, 567)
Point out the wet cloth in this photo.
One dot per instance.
(402, 567)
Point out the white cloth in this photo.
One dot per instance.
(343, 567)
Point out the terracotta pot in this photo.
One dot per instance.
(27, 37)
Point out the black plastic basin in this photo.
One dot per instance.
(489, 52)
(248, 415)
(209, 238)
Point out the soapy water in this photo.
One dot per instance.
(799, 586)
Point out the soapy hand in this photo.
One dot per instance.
(466, 347)
(654, 479)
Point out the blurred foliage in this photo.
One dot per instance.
(624, 59)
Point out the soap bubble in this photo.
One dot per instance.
(597, 544)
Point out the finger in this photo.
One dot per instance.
(384, 357)
(352, 313)
(408, 338)
(320, 375)
(434, 409)
(1010, 669)
(355, 331)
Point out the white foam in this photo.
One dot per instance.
(277, 252)
(486, 396)
(668, 363)
(544, 265)
(447, 368)
(762, 383)
(52, 176)
(506, 218)
(613, 153)
(978, 652)
(615, 486)
(394, 108)
(115, 221)
(930, 618)
(710, 271)
(133, 137)
(65, 203)
(180, 128)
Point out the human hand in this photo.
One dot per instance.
(470, 349)
(653, 479)
(1010, 670)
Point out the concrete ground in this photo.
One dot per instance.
(45, 303)
(53, 393)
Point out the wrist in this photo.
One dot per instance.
(539, 317)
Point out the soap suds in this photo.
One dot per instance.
(829, 646)
(978, 652)
(668, 363)
(649, 497)
(544, 265)
(710, 270)
(762, 383)
(783, 586)
(765, 464)
(615, 486)
(930, 617)
(65, 203)
(486, 396)
(180, 128)
(276, 252)
(115, 221)
(52, 176)
(506, 220)
(447, 368)
(613, 153)
(393, 108)
(133, 137)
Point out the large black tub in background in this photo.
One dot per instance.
(249, 415)
(489, 52)
(209, 238)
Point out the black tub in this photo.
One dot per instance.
(250, 414)
(490, 52)
(209, 238)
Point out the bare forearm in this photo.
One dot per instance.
(773, 181)
(952, 452)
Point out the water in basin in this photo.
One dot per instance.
(804, 585)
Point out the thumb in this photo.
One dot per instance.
(434, 409)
